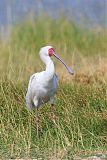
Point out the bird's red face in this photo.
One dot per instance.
(50, 51)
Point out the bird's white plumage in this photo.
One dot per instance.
(42, 86)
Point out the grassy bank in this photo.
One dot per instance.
(81, 121)
(81, 100)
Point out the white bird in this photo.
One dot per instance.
(42, 86)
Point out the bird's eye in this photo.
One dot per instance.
(50, 51)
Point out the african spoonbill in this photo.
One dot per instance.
(42, 86)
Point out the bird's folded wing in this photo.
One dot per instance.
(28, 94)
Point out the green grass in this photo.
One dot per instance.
(80, 103)
(64, 35)
(81, 121)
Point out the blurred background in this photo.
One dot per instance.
(76, 29)
(85, 13)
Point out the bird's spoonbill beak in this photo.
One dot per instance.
(68, 68)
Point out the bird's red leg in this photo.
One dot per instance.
(53, 114)
(37, 121)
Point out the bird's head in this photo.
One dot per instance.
(49, 51)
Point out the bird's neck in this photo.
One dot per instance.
(49, 71)
(49, 68)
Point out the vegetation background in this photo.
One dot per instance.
(81, 100)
